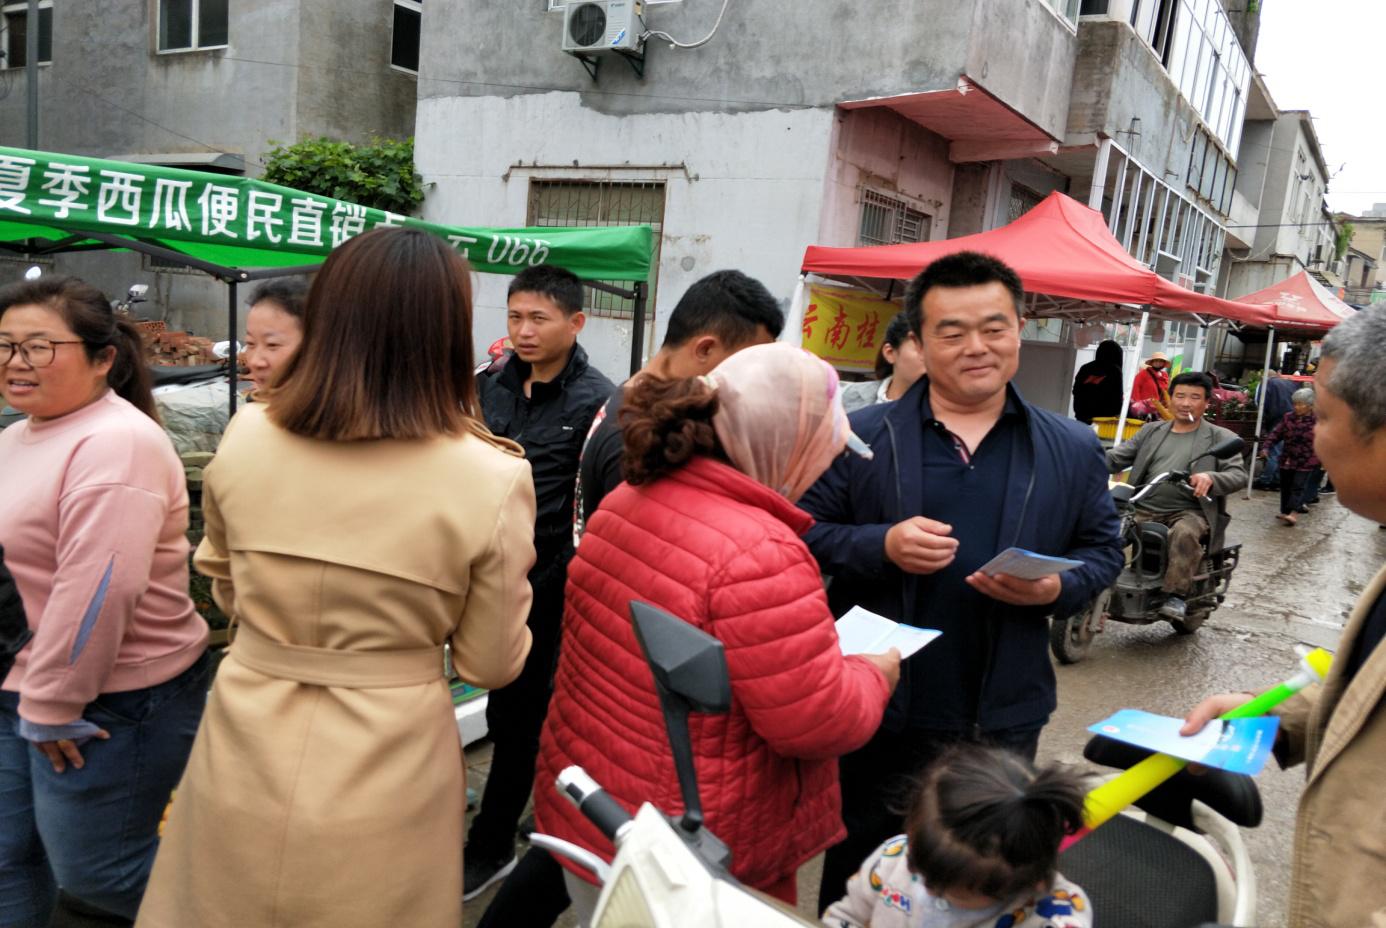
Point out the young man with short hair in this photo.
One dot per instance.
(717, 317)
(544, 398)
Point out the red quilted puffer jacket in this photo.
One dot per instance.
(714, 547)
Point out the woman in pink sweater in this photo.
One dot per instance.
(98, 714)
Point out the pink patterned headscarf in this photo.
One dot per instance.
(779, 416)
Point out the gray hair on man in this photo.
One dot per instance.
(1357, 348)
(1303, 396)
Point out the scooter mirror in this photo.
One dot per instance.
(1227, 448)
(686, 662)
(690, 675)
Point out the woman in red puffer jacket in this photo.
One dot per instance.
(706, 528)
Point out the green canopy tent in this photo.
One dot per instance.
(238, 229)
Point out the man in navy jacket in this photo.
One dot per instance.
(963, 469)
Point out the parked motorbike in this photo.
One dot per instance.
(1136, 597)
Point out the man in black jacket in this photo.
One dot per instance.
(544, 398)
(963, 469)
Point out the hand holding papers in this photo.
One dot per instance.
(861, 631)
(1027, 565)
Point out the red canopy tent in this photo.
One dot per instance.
(1060, 248)
(1301, 302)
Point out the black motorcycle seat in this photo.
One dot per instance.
(1137, 876)
(1232, 795)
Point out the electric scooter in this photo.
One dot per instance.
(1176, 862)
(1136, 597)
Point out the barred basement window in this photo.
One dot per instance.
(602, 203)
(887, 220)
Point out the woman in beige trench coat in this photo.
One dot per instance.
(354, 524)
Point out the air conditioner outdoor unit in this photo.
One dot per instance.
(594, 26)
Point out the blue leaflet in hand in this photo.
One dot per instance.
(1235, 745)
(1027, 565)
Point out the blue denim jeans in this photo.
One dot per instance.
(93, 831)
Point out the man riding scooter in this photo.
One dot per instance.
(1194, 511)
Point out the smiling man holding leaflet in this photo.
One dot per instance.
(963, 469)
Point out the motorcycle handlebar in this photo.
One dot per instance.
(593, 801)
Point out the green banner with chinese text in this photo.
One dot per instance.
(237, 222)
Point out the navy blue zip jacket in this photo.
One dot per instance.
(1055, 502)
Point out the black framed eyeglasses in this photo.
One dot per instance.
(36, 352)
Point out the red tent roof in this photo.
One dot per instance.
(1301, 302)
(1061, 248)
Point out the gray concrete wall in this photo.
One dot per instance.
(767, 54)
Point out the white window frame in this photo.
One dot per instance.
(21, 6)
(1066, 10)
(196, 7)
(417, 7)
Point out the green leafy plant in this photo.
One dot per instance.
(379, 175)
(1342, 241)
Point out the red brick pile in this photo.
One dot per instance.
(179, 349)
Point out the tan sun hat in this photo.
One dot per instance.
(1158, 356)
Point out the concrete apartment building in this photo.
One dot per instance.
(833, 123)
(797, 123)
(1282, 224)
(1362, 275)
(206, 85)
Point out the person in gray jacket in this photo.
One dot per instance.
(899, 364)
(1191, 512)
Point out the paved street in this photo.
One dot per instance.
(1294, 585)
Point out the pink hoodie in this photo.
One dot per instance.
(93, 511)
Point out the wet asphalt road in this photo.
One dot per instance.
(1293, 586)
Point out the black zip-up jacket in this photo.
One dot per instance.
(1055, 502)
(550, 424)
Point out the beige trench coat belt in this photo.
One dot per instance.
(357, 670)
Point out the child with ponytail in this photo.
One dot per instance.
(980, 849)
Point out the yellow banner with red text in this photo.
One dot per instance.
(845, 327)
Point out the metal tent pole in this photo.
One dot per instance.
(1261, 408)
(232, 364)
(637, 332)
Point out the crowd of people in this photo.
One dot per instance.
(380, 506)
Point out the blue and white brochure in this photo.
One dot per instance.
(1027, 565)
(1235, 745)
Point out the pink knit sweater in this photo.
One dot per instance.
(93, 511)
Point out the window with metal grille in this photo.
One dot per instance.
(1023, 199)
(602, 203)
(887, 220)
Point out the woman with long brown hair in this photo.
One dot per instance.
(356, 523)
(98, 714)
